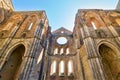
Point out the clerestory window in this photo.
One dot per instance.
(67, 51)
(55, 51)
(43, 32)
(62, 68)
(53, 68)
(93, 24)
(70, 68)
(61, 51)
(40, 56)
(30, 26)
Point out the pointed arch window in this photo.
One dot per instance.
(43, 31)
(67, 51)
(53, 68)
(40, 57)
(93, 24)
(62, 51)
(30, 26)
(62, 68)
(70, 68)
(55, 51)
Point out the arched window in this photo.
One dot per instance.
(93, 24)
(40, 56)
(61, 51)
(67, 51)
(43, 32)
(30, 26)
(55, 51)
(53, 68)
(70, 68)
(61, 68)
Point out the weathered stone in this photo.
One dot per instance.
(30, 51)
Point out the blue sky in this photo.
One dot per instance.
(61, 13)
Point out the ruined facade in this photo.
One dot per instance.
(22, 38)
(99, 40)
(30, 51)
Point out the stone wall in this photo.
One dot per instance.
(96, 28)
(29, 29)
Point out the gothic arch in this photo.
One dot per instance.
(16, 44)
(31, 22)
(12, 66)
(94, 17)
(112, 45)
(110, 60)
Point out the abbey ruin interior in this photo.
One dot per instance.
(29, 50)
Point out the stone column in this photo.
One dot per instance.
(93, 56)
(29, 59)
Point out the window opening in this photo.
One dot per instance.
(40, 56)
(56, 51)
(67, 51)
(53, 68)
(61, 40)
(61, 68)
(30, 26)
(70, 68)
(94, 26)
(61, 51)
